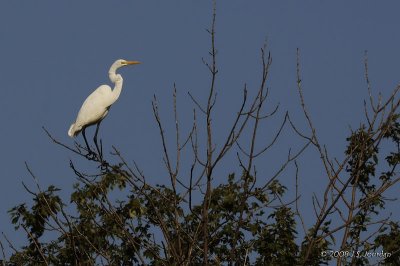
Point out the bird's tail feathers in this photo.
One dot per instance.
(72, 132)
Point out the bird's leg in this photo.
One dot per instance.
(84, 137)
(101, 147)
(90, 154)
(100, 152)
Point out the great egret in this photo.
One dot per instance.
(98, 103)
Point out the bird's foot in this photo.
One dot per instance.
(91, 155)
(104, 165)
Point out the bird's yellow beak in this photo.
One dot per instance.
(132, 62)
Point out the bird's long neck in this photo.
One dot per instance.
(117, 80)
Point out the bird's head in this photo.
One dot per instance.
(120, 63)
(117, 64)
(123, 62)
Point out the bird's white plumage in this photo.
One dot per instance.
(97, 104)
(93, 109)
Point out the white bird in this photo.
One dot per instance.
(98, 103)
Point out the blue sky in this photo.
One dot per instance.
(54, 54)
